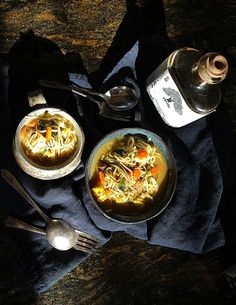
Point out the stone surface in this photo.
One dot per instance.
(126, 270)
(87, 27)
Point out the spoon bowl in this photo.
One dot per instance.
(61, 235)
(118, 98)
(85, 242)
(121, 98)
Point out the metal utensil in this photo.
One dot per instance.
(118, 98)
(85, 242)
(61, 235)
(12, 222)
(104, 110)
(108, 113)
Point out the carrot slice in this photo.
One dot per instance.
(108, 192)
(136, 173)
(48, 133)
(154, 170)
(32, 123)
(142, 153)
(23, 132)
(101, 177)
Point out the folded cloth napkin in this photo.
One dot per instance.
(189, 223)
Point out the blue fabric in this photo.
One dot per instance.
(189, 223)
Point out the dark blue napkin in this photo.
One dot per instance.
(189, 223)
(37, 261)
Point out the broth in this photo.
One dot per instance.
(128, 174)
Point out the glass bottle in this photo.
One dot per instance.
(185, 87)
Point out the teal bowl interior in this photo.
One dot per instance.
(160, 202)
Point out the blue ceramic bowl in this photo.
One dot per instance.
(161, 200)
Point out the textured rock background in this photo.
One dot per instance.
(127, 271)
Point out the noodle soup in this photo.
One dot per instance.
(48, 143)
(48, 139)
(128, 174)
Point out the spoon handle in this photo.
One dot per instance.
(55, 84)
(19, 188)
(135, 85)
(15, 223)
(83, 90)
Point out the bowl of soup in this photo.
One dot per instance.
(48, 143)
(130, 175)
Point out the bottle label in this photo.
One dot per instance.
(168, 100)
(35, 98)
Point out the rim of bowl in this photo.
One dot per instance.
(43, 172)
(115, 134)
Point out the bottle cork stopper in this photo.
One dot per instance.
(212, 68)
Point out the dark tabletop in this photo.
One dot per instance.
(125, 270)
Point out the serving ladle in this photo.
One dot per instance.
(118, 98)
(60, 234)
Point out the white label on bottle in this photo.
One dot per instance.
(168, 100)
(36, 97)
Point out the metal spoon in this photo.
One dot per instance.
(85, 242)
(61, 235)
(119, 98)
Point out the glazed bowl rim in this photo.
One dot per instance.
(122, 132)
